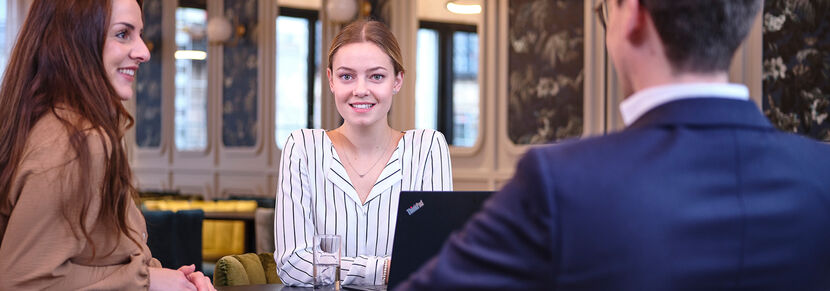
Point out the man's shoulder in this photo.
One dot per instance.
(807, 142)
(578, 148)
(798, 150)
(641, 148)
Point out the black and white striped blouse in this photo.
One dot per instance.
(316, 196)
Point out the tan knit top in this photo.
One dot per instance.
(38, 250)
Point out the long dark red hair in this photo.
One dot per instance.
(57, 60)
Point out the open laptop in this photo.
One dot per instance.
(425, 221)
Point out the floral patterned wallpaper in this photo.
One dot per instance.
(545, 63)
(148, 84)
(239, 104)
(796, 75)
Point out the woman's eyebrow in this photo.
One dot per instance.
(129, 25)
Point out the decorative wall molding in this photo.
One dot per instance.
(404, 24)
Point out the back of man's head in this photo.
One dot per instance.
(701, 36)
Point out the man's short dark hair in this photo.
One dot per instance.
(701, 36)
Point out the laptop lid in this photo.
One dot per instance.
(425, 221)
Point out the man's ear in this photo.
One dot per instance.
(636, 21)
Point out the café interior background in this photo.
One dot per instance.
(212, 115)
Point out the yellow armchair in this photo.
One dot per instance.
(246, 269)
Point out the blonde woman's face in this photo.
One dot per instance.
(124, 49)
(363, 81)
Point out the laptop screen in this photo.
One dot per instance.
(425, 221)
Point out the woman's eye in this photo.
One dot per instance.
(121, 34)
(377, 77)
(346, 77)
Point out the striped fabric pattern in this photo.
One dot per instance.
(316, 196)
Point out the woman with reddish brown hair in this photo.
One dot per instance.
(68, 219)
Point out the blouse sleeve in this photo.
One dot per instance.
(437, 168)
(363, 270)
(294, 227)
(43, 249)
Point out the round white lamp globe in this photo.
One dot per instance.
(219, 29)
(341, 10)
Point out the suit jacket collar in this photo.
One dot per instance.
(644, 100)
(704, 112)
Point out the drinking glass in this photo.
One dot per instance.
(326, 260)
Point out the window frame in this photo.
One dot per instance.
(194, 4)
(446, 73)
(312, 16)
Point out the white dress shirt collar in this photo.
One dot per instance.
(645, 100)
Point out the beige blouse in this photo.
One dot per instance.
(38, 250)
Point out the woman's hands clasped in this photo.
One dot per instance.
(185, 278)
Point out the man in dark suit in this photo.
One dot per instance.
(699, 192)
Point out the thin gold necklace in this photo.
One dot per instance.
(374, 164)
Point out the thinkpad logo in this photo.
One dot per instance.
(415, 207)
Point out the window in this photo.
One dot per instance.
(5, 37)
(298, 76)
(191, 78)
(426, 84)
(447, 83)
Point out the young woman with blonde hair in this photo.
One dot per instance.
(347, 181)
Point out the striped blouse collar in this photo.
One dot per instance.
(391, 174)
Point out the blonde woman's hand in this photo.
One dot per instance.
(169, 279)
(386, 271)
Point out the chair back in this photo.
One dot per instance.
(246, 269)
(264, 221)
(175, 238)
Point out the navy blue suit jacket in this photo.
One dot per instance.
(697, 194)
